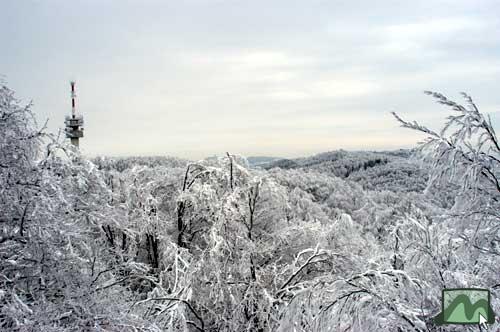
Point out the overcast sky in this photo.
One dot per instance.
(284, 78)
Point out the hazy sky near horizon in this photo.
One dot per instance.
(286, 78)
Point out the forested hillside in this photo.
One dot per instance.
(341, 241)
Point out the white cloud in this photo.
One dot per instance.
(190, 79)
(243, 59)
(432, 29)
(424, 39)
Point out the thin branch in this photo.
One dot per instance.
(202, 323)
(302, 267)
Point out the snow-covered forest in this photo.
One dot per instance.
(341, 241)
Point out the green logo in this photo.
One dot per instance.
(465, 306)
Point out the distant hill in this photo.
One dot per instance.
(386, 170)
(122, 163)
(340, 159)
(261, 160)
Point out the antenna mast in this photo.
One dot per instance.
(74, 123)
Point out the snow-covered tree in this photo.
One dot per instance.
(53, 265)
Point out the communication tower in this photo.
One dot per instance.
(74, 123)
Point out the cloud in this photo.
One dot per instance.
(280, 77)
(424, 38)
(433, 29)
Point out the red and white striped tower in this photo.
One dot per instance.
(74, 124)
